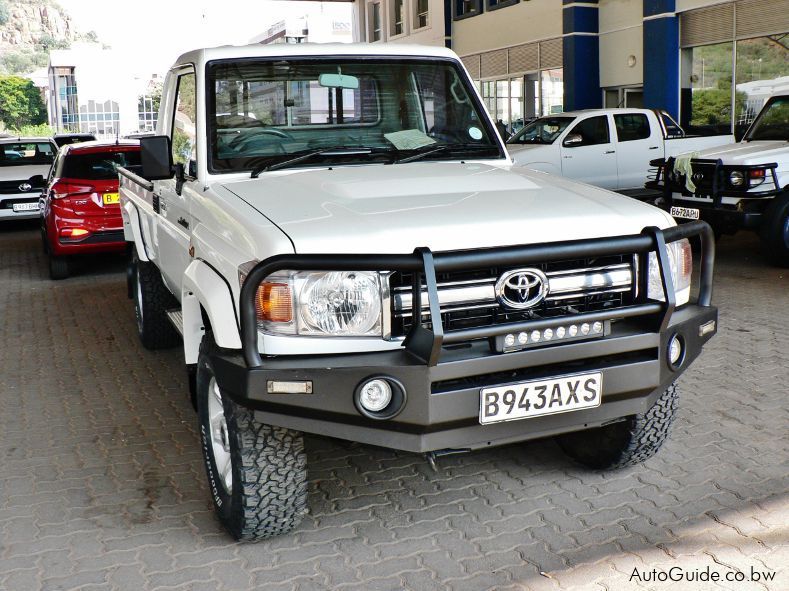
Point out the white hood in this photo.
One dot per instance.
(444, 206)
(745, 153)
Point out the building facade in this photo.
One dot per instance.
(710, 63)
(326, 22)
(89, 93)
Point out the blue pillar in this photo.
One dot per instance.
(661, 56)
(581, 49)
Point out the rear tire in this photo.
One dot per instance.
(257, 473)
(627, 443)
(775, 230)
(58, 267)
(151, 302)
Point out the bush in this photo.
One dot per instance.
(41, 130)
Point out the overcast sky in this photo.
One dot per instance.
(155, 32)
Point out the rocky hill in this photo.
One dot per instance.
(29, 29)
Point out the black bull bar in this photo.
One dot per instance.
(425, 343)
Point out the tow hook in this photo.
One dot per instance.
(433, 456)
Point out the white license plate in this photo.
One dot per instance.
(25, 206)
(535, 398)
(685, 213)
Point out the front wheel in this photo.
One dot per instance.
(257, 473)
(775, 230)
(628, 442)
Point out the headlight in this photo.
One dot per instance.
(737, 178)
(680, 259)
(320, 303)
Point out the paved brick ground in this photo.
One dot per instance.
(102, 487)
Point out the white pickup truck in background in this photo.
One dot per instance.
(609, 148)
(742, 186)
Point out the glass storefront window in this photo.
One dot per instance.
(711, 78)
(761, 62)
(552, 91)
(516, 104)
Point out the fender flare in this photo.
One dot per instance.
(203, 287)
(131, 223)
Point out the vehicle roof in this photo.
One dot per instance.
(16, 139)
(201, 56)
(75, 134)
(99, 146)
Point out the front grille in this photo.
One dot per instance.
(468, 298)
(12, 187)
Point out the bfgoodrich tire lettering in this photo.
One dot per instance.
(627, 442)
(267, 495)
(151, 302)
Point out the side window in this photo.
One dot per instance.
(184, 138)
(593, 131)
(632, 126)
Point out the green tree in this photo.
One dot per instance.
(4, 13)
(20, 103)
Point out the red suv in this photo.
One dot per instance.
(80, 212)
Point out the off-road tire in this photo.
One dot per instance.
(627, 442)
(59, 267)
(775, 230)
(151, 302)
(268, 496)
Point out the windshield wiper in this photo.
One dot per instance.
(304, 155)
(431, 149)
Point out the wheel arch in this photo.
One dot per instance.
(205, 291)
(132, 230)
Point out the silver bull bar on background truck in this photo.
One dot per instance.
(425, 366)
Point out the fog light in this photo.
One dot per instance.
(584, 329)
(597, 327)
(560, 332)
(375, 395)
(573, 330)
(509, 340)
(523, 338)
(548, 334)
(675, 351)
(535, 336)
(737, 178)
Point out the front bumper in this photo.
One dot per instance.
(7, 206)
(442, 406)
(442, 372)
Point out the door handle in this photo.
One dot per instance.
(610, 151)
(183, 222)
(567, 157)
(653, 147)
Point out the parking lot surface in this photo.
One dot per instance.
(102, 485)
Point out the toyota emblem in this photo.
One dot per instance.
(522, 288)
(25, 187)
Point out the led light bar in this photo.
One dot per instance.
(579, 331)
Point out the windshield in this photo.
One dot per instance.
(26, 154)
(542, 131)
(772, 123)
(261, 112)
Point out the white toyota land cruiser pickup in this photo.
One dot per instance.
(742, 186)
(338, 235)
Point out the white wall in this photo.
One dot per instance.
(521, 23)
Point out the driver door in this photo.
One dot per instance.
(588, 154)
(174, 220)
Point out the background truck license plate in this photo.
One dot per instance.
(685, 213)
(523, 400)
(25, 206)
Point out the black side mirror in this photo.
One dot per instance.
(156, 157)
(37, 180)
